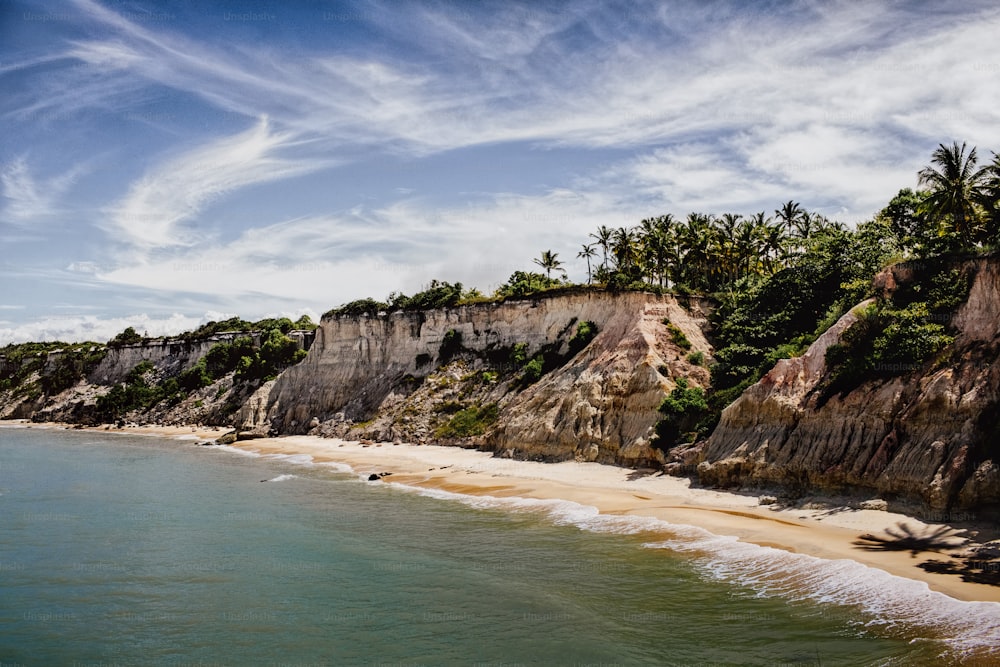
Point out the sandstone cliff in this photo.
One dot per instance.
(387, 372)
(169, 357)
(930, 436)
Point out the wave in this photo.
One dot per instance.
(889, 602)
(281, 478)
(236, 450)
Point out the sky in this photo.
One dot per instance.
(164, 164)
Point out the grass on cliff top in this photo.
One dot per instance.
(442, 294)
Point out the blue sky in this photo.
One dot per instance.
(163, 164)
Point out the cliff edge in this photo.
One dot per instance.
(930, 436)
(411, 375)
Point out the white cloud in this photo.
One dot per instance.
(639, 81)
(324, 261)
(29, 200)
(711, 108)
(77, 328)
(152, 213)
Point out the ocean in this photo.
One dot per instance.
(131, 550)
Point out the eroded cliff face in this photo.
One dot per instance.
(931, 436)
(599, 404)
(213, 404)
(168, 356)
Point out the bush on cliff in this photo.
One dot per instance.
(369, 307)
(135, 393)
(684, 412)
(127, 337)
(276, 352)
(25, 359)
(439, 294)
(451, 345)
(585, 332)
(74, 363)
(471, 421)
(898, 334)
(525, 283)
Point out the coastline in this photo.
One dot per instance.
(828, 533)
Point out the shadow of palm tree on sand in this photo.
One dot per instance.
(905, 538)
(978, 564)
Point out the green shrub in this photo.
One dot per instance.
(305, 323)
(697, 358)
(884, 342)
(468, 422)
(451, 345)
(518, 355)
(127, 337)
(532, 371)
(134, 393)
(439, 294)
(683, 410)
(908, 341)
(194, 378)
(70, 367)
(948, 290)
(676, 335)
(585, 332)
(369, 307)
(524, 283)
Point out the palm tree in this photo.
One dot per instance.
(748, 247)
(789, 214)
(549, 261)
(586, 253)
(773, 245)
(808, 224)
(956, 187)
(696, 239)
(991, 200)
(728, 223)
(624, 249)
(603, 239)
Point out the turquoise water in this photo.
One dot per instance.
(125, 550)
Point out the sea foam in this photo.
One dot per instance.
(889, 602)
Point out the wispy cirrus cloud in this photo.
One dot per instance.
(592, 77)
(631, 109)
(28, 200)
(152, 214)
(323, 261)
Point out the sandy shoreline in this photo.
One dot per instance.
(828, 533)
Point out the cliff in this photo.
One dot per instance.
(397, 376)
(26, 383)
(929, 436)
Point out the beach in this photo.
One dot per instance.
(828, 533)
(823, 530)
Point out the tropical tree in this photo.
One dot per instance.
(956, 190)
(550, 262)
(587, 252)
(603, 238)
(789, 215)
(625, 250)
(991, 202)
